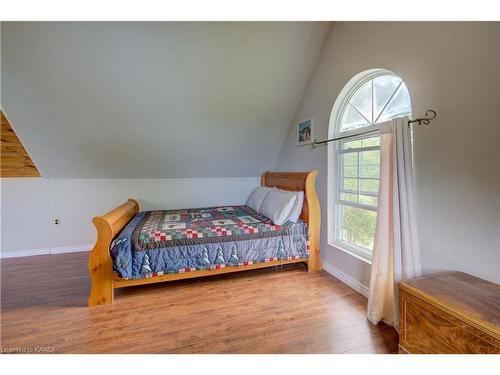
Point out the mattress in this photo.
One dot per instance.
(172, 241)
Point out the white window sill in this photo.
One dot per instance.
(352, 251)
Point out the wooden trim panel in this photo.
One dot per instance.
(15, 160)
(104, 281)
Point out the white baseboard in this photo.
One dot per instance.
(25, 253)
(71, 249)
(45, 251)
(346, 279)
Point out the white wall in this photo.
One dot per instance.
(449, 67)
(29, 206)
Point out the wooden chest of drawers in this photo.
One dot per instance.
(450, 312)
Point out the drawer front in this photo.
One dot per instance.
(426, 329)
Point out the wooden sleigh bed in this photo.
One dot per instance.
(104, 280)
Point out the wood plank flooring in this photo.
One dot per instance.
(278, 310)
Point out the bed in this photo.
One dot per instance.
(135, 248)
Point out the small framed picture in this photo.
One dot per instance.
(305, 132)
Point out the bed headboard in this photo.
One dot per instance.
(311, 214)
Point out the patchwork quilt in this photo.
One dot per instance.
(171, 241)
(204, 225)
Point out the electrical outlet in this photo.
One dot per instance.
(57, 221)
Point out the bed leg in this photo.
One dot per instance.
(314, 261)
(312, 265)
(101, 266)
(101, 290)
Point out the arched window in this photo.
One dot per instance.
(370, 98)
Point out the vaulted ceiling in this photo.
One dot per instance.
(166, 99)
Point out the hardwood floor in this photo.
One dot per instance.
(285, 310)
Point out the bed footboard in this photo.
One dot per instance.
(100, 262)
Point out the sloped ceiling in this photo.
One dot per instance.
(120, 100)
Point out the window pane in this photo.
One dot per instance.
(351, 172)
(358, 143)
(351, 119)
(349, 184)
(399, 105)
(350, 159)
(369, 171)
(351, 144)
(369, 165)
(368, 200)
(357, 226)
(383, 88)
(349, 197)
(380, 99)
(370, 157)
(362, 100)
(368, 186)
(372, 141)
(350, 165)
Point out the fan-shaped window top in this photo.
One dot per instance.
(374, 101)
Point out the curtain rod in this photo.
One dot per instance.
(430, 115)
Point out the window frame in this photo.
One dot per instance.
(334, 159)
(358, 251)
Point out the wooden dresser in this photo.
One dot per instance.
(449, 312)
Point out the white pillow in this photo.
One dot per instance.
(257, 197)
(277, 205)
(297, 207)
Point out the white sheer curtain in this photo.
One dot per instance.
(396, 252)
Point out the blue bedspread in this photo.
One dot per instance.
(159, 242)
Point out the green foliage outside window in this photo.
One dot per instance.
(361, 170)
(358, 226)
